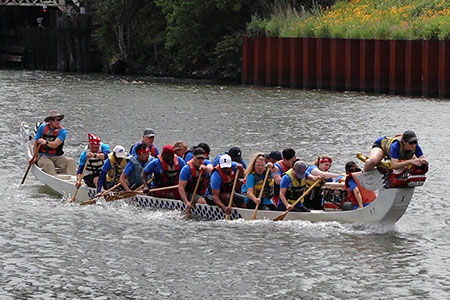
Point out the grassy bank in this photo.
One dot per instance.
(360, 19)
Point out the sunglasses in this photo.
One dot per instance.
(199, 157)
(56, 119)
(413, 143)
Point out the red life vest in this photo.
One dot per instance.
(366, 195)
(284, 168)
(50, 135)
(227, 180)
(152, 148)
(190, 187)
(170, 174)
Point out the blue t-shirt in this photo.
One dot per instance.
(40, 133)
(104, 148)
(352, 184)
(106, 167)
(188, 156)
(217, 159)
(133, 149)
(155, 167)
(250, 183)
(185, 174)
(129, 167)
(312, 167)
(395, 148)
(216, 179)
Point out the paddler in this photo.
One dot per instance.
(112, 169)
(253, 183)
(357, 194)
(148, 138)
(94, 155)
(49, 140)
(131, 176)
(221, 184)
(292, 187)
(166, 169)
(402, 150)
(190, 175)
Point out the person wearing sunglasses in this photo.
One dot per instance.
(402, 150)
(49, 140)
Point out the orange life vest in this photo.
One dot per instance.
(50, 135)
(170, 174)
(190, 187)
(367, 195)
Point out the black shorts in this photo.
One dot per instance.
(377, 144)
(89, 180)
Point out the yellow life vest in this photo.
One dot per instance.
(386, 145)
(297, 189)
(116, 169)
(268, 188)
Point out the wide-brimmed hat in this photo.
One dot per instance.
(53, 114)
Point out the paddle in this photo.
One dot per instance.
(81, 178)
(94, 200)
(261, 193)
(281, 217)
(35, 153)
(187, 212)
(230, 203)
(125, 194)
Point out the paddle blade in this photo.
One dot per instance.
(227, 217)
(281, 217)
(89, 202)
(255, 213)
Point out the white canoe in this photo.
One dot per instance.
(386, 209)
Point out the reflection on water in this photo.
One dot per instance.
(50, 249)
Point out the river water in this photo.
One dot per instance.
(51, 250)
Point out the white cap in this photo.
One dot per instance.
(225, 161)
(120, 151)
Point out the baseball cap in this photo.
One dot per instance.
(299, 169)
(119, 151)
(168, 149)
(276, 155)
(205, 147)
(225, 161)
(149, 132)
(199, 152)
(235, 154)
(409, 136)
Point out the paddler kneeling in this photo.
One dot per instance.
(189, 176)
(253, 183)
(292, 187)
(401, 150)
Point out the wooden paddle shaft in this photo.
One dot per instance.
(255, 213)
(230, 202)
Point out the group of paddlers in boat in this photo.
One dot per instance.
(272, 181)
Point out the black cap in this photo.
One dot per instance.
(276, 155)
(199, 152)
(235, 154)
(409, 136)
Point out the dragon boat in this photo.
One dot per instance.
(394, 192)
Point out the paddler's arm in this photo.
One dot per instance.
(358, 197)
(399, 164)
(182, 190)
(217, 201)
(123, 182)
(284, 200)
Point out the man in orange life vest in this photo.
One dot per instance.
(166, 168)
(50, 141)
(189, 176)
